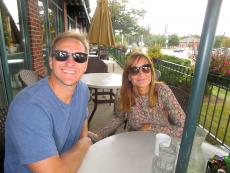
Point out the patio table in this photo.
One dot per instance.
(97, 81)
(92, 56)
(122, 153)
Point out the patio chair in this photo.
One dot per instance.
(28, 77)
(3, 113)
(95, 65)
(104, 57)
(181, 96)
(158, 74)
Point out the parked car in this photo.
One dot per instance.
(178, 50)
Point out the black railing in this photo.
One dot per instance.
(174, 74)
(215, 111)
(118, 55)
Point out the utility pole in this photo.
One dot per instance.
(166, 34)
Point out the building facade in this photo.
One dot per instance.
(190, 42)
(27, 28)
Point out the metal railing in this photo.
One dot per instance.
(215, 112)
(118, 55)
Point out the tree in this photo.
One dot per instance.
(158, 40)
(173, 40)
(226, 42)
(218, 41)
(221, 41)
(125, 20)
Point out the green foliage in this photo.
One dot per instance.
(157, 40)
(173, 40)
(226, 42)
(154, 52)
(124, 19)
(176, 60)
(221, 41)
(218, 40)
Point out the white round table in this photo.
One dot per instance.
(102, 80)
(92, 56)
(97, 81)
(130, 152)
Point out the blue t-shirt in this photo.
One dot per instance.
(39, 125)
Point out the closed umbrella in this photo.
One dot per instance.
(101, 30)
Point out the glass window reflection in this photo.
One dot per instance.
(11, 26)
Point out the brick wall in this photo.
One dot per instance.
(35, 35)
(65, 17)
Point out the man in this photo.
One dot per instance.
(46, 126)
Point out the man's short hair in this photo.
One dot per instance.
(72, 34)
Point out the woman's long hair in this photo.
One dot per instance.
(127, 94)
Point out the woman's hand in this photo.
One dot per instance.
(93, 136)
(146, 127)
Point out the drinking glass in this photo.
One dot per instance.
(161, 138)
(165, 162)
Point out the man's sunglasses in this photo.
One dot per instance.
(146, 68)
(61, 55)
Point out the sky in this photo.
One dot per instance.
(182, 17)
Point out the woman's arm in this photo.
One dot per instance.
(176, 114)
(118, 119)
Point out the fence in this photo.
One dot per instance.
(215, 111)
(119, 55)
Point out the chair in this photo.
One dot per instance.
(181, 96)
(96, 65)
(104, 57)
(3, 113)
(28, 77)
(158, 74)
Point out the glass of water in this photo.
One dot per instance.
(165, 162)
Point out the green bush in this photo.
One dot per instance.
(154, 52)
(176, 60)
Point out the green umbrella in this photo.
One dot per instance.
(101, 30)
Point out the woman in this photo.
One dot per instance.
(144, 103)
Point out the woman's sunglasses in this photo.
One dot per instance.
(61, 55)
(146, 68)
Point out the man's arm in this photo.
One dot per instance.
(68, 162)
(84, 131)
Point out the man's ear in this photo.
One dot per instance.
(50, 63)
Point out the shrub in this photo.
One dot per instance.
(176, 60)
(220, 64)
(154, 52)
